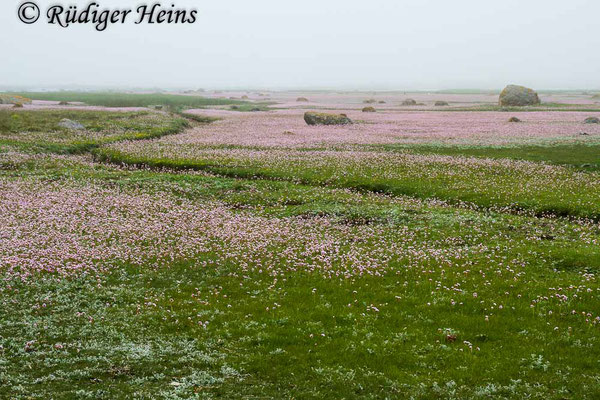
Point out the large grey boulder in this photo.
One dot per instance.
(514, 95)
(70, 124)
(314, 118)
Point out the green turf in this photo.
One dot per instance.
(110, 99)
(518, 187)
(580, 156)
(133, 332)
(40, 130)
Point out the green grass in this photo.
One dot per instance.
(133, 332)
(519, 186)
(39, 130)
(581, 156)
(110, 99)
(251, 107)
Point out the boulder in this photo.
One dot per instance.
(519, 96)
(514, 119)
(441, 103)
(368, 109)
(314, 118)
(591, 120)
(409, 102)
(70, 124)
(302, 99)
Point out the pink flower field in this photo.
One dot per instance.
(286, 128)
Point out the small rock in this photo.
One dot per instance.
(370, 101)
(441, 103)
(514, 119)
(70, 124)
(591, 120)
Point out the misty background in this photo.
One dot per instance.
(319, 44)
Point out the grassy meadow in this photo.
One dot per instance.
(240, 254)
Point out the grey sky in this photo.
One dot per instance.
(355, 44)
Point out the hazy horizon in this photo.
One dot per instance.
(381, 45)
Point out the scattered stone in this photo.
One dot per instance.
(519, 96)
(368, 109)
(70, 124)
(441, 103)
(288, 133)
(381, 102)
(514, 119)
(63, 103)
(303, 99)
(409, 102)
(314, 118)
(370, 101)
(591, 120)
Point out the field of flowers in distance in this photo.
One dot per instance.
(214, 245)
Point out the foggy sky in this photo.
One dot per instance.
(352, 44)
